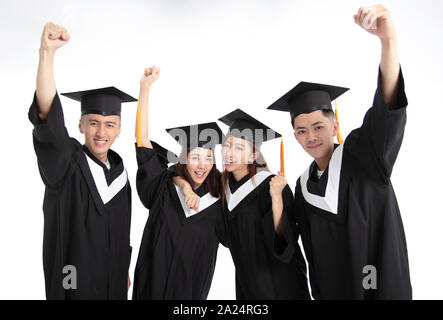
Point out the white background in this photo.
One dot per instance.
(216, 56)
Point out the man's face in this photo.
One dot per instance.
(100, 133)
(315, 132)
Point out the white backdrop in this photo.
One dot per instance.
(216, 56)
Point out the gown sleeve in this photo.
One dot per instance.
(377, 142)
(152, 174)
(52, 144)
(221, 229)
(280, 245)
(172, 170)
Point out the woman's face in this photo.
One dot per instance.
(199, 163)
(237, 153)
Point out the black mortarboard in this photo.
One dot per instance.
(205, 135)
(105, 101)
(170, 156)
(242, 125)
(307, 97)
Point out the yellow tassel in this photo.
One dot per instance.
(340, 140)
(282, 157)
(139, 127)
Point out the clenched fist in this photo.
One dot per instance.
(191, 198)
(150, 75)
(376, 20)
(53, 37)
(276, 185)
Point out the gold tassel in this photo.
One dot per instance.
(340, 140)
(139, 127)
(282, 157)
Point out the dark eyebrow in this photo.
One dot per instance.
(312, 125)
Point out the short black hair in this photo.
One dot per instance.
(327, 113)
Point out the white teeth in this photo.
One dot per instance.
(100, 142)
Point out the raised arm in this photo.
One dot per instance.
(150, 75)
(53, 37)
(276, 186)
(278, 236)
(52, 144)
(377, 142)
(377, 20)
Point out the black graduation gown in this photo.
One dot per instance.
(266, 266)
(87, 213)
(349, 218)
(177, 253)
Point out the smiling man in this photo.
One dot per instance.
(345, 204)
(87, 204)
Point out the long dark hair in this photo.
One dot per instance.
(259, 162)
(212, 181)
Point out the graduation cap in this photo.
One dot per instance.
(105, 101)
(242, 125)
(168, 155)
(307, 97)
(205, 135)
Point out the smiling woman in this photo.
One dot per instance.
(197, 166)
(256, 204)
(180, 241)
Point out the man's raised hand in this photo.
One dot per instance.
(376, 20)
(53, 37)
